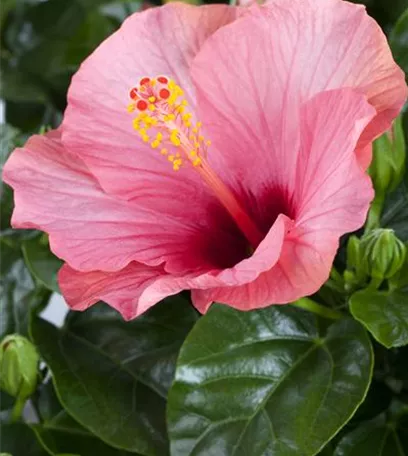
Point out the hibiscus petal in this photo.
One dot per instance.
(97, 126)
(131, 290)
(137, 287)
(271, 60)
(332, 197)
(56, 193)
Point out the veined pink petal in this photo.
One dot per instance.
(131, 290)
(97, 126)
(91, 230)
(136, 287)
(331, 198)
(347, 48)
(298, 48)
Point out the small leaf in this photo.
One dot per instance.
(41, 262)
(113, 376)
(376, 437)
(266, 383)
(18, 439)
(384, 314)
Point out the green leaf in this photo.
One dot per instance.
(266, 383)
(376, 437)
(384, 314)
(399, 41)
(42, 264)
(112, 376)
(18, 439)
(59, 433)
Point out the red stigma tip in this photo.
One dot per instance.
(163, 80)
(141, 105)
(164, 94)
(133, 93)
(144, 81)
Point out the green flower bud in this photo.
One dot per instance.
(387, 166)
(18, 366)
(383, 254)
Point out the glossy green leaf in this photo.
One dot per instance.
(399, 41)
(41, 262)
(112, 376)
(59, 433)
(266, 383)
(63, 434)
(384, 314)
(19, 440)
(376, 437)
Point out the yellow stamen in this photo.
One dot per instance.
(172, 120)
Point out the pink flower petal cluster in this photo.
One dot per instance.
(291, 94)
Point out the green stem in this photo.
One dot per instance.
(374, 283)
(17, 409)
(318, 309)
(374, 214)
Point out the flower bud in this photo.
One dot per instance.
(387, 166)
(18, 366)
(383, 254)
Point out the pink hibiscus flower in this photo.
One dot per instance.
(210, 149)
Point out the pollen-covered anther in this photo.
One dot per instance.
(164, 122)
